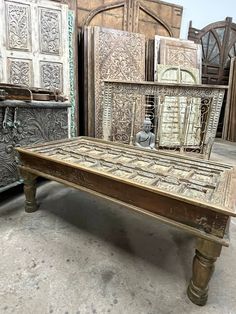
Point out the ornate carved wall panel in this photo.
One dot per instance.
(23, 125)
(31, 44)
(135, 95)
(115, 55)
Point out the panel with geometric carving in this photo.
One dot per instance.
(18, 26)
(50, 31)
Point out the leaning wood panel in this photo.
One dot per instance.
(116, 55)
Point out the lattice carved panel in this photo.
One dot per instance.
(50, 31)
(18, 26)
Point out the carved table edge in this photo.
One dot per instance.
(201, 234)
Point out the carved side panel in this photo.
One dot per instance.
(41, 125)
(18, 26)
(32, 125)
(51, 75)
(8, 169)
(50, 31)
(20, 71)
(117, 55)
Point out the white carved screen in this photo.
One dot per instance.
(34, 44)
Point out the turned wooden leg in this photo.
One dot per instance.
(203, 268)
(30, 191)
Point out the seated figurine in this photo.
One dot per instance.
(145, 138)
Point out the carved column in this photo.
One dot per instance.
(203, 268)
(30, 191)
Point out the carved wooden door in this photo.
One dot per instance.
(149, 17)
(33, 44)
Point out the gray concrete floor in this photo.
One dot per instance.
(81, 254)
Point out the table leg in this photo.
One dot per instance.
(30, 191)
(203, 268)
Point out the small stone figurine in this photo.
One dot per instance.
(145, 138)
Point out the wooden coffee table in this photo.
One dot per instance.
(194, 195)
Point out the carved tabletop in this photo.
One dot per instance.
(194, 195)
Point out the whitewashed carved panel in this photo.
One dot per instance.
(20, 71)
(117, 55)
(51, 75)
(50, 31)
(18, 26)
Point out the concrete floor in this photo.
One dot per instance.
(81, 254)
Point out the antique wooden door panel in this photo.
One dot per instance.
(33, 44)
(117, 55)
(171, 51)
(149, 17)
(178, 117)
